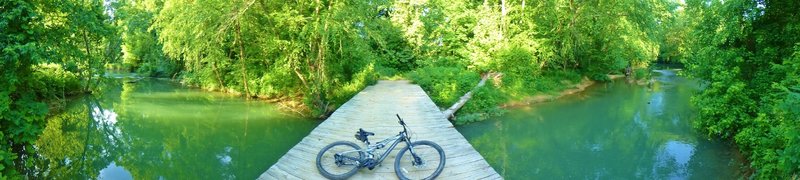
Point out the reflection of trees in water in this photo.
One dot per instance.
(169, 141)
(672, 160)
(75, 146)
(154, 130)
(614, 134)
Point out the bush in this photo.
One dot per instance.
(600, 77)
(386, 72)
(444, 61)
(516, 61)
(163, 68)
(444, 84)
(547, 81)
(641, 73)
(54, 82)
(367, 76)
(482, 105)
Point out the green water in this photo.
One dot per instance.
(611, 131)
(157, 129)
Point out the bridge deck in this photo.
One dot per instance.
(373, 109)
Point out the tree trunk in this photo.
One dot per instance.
(242, 59)
(503, 12)
(89, 61)
(216, 73)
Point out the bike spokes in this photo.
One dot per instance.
(424, 161)
(340, 159)
(423, 156)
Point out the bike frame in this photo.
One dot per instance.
(400, 137)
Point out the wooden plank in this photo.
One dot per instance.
(373, 109)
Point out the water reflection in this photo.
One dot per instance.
(673, 160)
(655, 106)
(112, 171)
(612, 131)
(158, 130)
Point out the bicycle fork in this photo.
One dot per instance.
(417, 161)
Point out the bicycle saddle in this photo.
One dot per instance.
(361, 135)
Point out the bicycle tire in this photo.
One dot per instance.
(349, 171)
(423, 150)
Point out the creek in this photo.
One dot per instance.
(612, 130)
(159, 129)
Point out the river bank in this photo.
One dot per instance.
(545, 97)
(291, 104)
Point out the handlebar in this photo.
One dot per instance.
(405, 128)
(400, 120)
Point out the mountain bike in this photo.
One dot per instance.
(418, 160)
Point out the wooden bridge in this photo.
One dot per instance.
(374, 109)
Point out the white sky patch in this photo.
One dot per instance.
(112, 171)
(104, 115)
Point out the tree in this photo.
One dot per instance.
(271, 49)
(46, 47)
(142, 52)
(745, 51)
(20, 112)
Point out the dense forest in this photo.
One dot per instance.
(313, 55)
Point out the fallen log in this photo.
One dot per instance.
(449, 112)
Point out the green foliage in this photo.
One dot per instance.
(359, 81)
(53, 82)
(599, 37)
(746, 51)
(789, 108)
(393, 50)
(324, 52)
(49, 50)
(517, 61)
(675, 31)
(482, 105)
(529, 42)
(519, 87)
(600, 77)
(641, 73)
(20, 113)
(310, 51)
(141, 50)
(444, 84)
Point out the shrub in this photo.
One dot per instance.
(444, 84)
(482, 105)
(516, 61)
(600, 77)
(547, 81)
(54, 82)
(641, 73)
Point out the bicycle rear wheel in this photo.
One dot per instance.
(333, 163)
(426, 161)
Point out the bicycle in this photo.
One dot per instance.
(343, 159)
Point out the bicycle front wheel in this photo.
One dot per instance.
(424, 161)
(339, 160)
